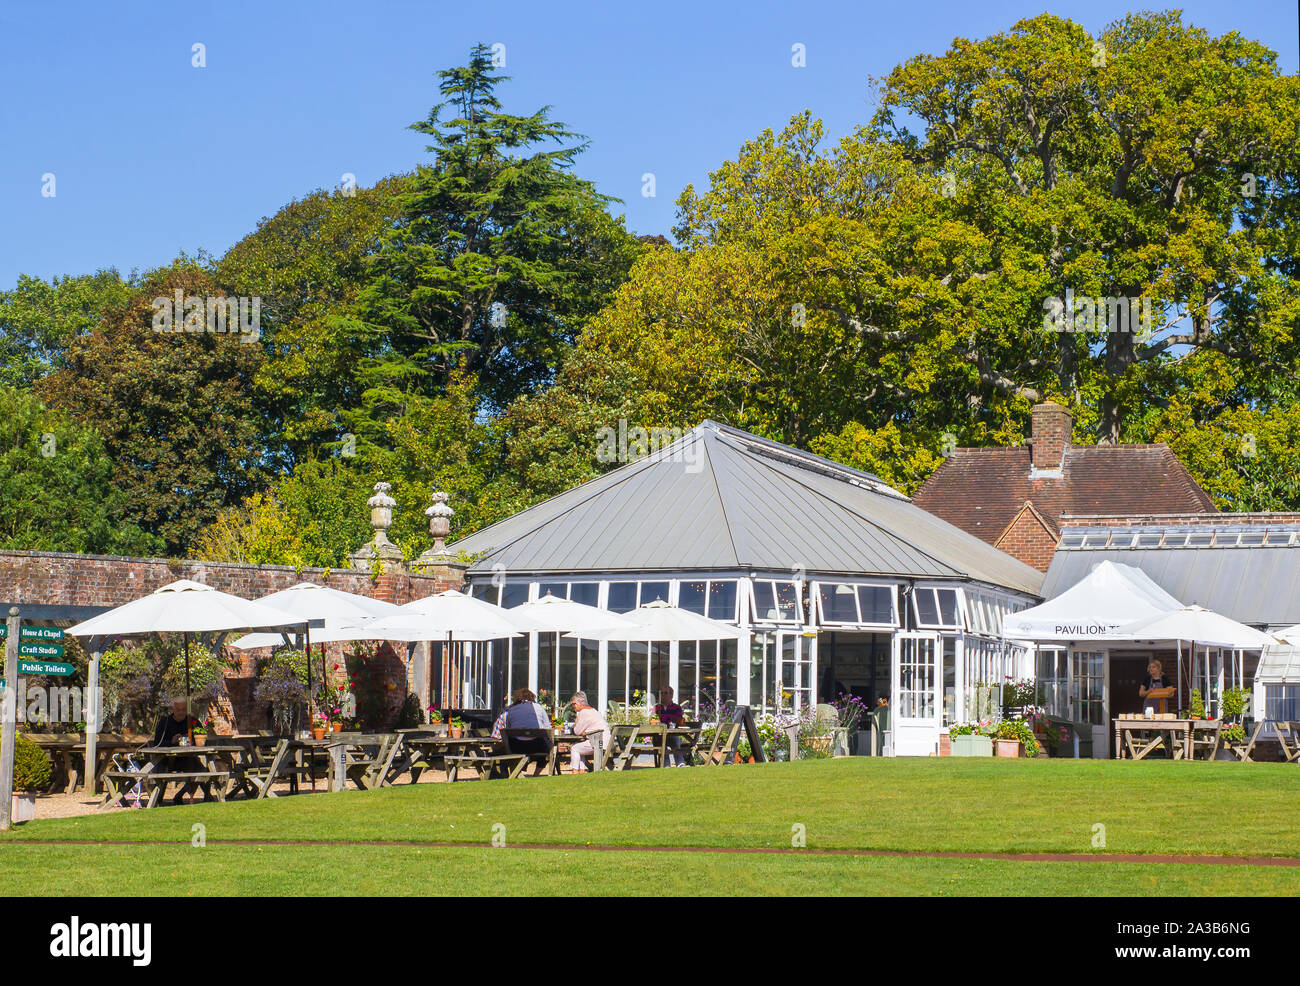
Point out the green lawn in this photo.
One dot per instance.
(981, 805)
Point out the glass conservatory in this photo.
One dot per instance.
(840, 584)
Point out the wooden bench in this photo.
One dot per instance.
(155, 783)
(369, 760)
(487, 766)
(722, 750)
(255, 772)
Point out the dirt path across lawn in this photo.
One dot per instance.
(1019, 857)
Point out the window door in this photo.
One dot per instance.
(917, 697)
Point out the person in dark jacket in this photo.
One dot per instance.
(526, 713)
(172, 728)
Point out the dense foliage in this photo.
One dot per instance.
(471, 325)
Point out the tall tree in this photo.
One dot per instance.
(308, 263)
(57, 489)
(38, 318)
(1153, 161)
(500, 254)
(177, 409)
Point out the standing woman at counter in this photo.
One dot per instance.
(1155, 679)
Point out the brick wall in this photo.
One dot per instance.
(1027, 540)
(56, 578)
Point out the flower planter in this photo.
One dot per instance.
(971, 745)
(318, 732)
(455, 732)
(1008, 747)
(24, 808)
(200, 739)
(336, 727)
(822, 744)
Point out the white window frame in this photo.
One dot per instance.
(815, 603)
(798, 620)
(936, 587)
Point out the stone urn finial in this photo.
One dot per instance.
(380, 549)
(440, 516)
(381, 510)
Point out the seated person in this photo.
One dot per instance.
(669, 713)
(588, 720)
(525, 713)
(500, 723)
(172, 728)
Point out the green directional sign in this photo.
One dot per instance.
(57, 668)
(28, 648)
(51, 634)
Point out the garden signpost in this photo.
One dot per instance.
(9, 715)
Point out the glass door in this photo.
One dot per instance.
(917, 695)
(795, 671)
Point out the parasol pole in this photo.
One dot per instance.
(189, 717)
(306, 630)
(1178, 644)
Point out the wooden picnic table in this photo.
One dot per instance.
(423, 750)
(156, 778)
(63, 752)
(1182, 739)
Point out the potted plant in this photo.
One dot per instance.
(32, 770)
(318, 727)
(201, 731)
(1198, 705)
(970, 741)
(457, 727)
(1235, 701)
(1014, 738)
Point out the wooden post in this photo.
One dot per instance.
(9, 715)
(93, 713)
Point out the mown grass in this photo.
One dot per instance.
(61, 870)
(964, 805)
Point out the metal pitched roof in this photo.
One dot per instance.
(1256, 585)
(720, 498)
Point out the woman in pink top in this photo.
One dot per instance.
(588, 720)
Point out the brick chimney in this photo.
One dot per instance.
(1050, 436)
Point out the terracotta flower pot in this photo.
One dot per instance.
(336, 727)
(200, 739)
(318, 732)
(1007, 747)
(455, 732)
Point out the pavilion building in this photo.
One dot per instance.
(839, 582)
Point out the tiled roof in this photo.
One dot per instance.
(981, 490)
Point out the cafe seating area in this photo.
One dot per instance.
(260, 766)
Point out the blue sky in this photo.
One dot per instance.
(152, 156)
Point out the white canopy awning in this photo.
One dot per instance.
(658, 621)
(185, 607)
(1199, 626)
(1094, 608)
